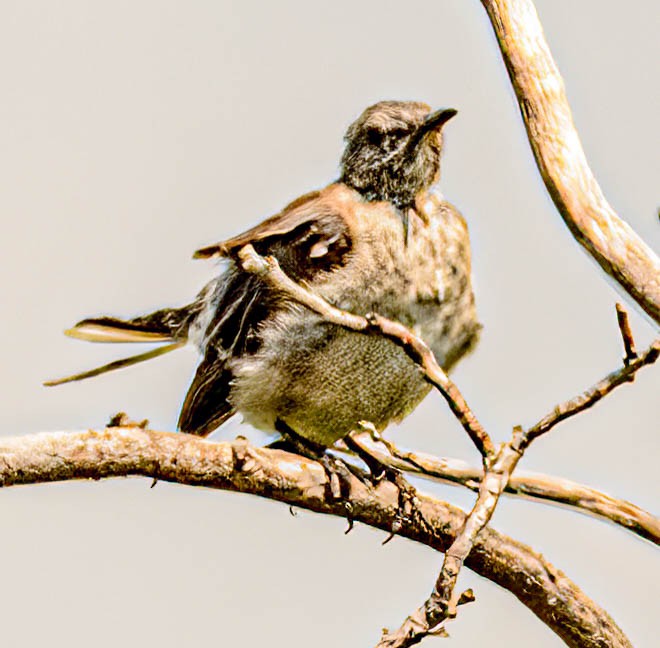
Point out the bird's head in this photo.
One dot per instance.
(393, 151)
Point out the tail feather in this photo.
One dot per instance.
(110, 329)
(116, 364)
(167, 325)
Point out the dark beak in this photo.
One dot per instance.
(437, 119)
(433, 122)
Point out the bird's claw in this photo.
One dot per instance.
(407, 503)
(339, 478)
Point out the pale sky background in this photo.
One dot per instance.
(133, 132)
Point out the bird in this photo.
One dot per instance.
(381, 238)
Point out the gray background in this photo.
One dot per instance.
(132, 132)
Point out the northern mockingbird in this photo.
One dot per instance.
(379, 239)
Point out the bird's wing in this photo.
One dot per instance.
(309, 234)
(237, 307)
(307, 238)
(297, 212)
(206, 406)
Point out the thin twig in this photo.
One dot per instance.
(420, 353)
(592, 395)
(269, 269)
(296, 481)
(523, 484)
(442, 603)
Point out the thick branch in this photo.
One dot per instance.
(524, 484)
(289, 478)
(561, 159)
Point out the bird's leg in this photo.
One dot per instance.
(338, 472)
(407, 505)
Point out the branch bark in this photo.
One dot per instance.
(277, 475)
(539, 88)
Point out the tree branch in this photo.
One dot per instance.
(523, 484)
(274, 474)
(561, 160)
(442, 602)
(592, 395)
(498, 464)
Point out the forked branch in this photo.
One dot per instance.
(442, 603)
(528, 485)
(278, 475)
(498, 463)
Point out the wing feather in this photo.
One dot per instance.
(310, 212)
(308, 237)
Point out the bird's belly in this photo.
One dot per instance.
(326, 380)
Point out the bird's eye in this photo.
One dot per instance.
(374, 137)
(398, 133)
(381, 139)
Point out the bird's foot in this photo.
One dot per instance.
(407, 504)
(338, 473)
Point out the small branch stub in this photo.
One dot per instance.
(626, 335)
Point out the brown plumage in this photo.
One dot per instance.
(379, 239)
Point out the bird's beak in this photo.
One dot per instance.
(433, 122)
(437, 119)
